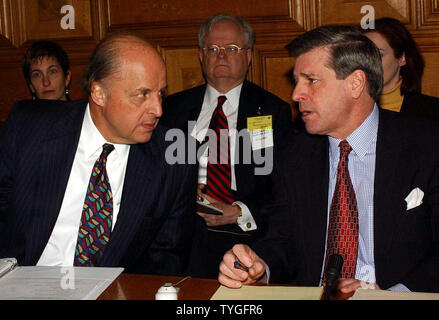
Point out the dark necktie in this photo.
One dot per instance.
(218, 166)
(343, 217)
(97, 215)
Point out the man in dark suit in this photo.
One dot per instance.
(49, 148)
(375, 201)
(226, 44)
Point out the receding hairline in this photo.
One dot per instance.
(120, 44)
(122, 41)
(113, 51)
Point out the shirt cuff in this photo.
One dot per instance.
(399, 287)
(245, 221)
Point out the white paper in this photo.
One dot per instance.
(268, 293)
(56, 283)
(364, 294)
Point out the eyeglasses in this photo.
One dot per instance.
(214, 50)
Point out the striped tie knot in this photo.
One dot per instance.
(221, 100)
(345, 148)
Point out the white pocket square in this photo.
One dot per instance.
(414, 198)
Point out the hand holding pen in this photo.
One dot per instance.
(241, 265)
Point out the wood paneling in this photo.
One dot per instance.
(42, 19)
(13, 86)
(177, 22)
(183, 67)
(24, 20)
(9, 27)
(76, 91)
(278, 77)
(159, 11)
(349, 11)
(429, 14)
(172, 25)
(430, 78)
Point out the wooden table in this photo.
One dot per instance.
(144, 287)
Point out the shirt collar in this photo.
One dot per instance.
(361, 138)
(232, 96)
(94, 140)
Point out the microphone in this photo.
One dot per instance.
(332, 273)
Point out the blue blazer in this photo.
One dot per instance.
(37, 148)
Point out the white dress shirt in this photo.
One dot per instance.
(230, 108)
(60, 249)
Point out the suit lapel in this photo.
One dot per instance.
(140, 193)
(196, 102)
(248, 105)
(57, 152)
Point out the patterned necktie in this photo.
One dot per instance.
(218, 166)
(343, 217)
(97, 215)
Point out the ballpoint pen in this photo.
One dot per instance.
(239, 265)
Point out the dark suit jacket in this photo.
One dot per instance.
(253, 190)
(420, 105)
(406, 243)
(37, 148)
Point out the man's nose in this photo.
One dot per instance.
(156, 107)
(299, 93)
(222, 52)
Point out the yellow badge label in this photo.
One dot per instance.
(259, 123)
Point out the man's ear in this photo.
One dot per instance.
(201, 55)
(98, 93)
(357, 83)
(249, 56)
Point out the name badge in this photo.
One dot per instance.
(261, 131)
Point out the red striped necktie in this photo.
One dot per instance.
(343, 217)
(218, 166)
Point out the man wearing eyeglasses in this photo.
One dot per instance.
(255, 122)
